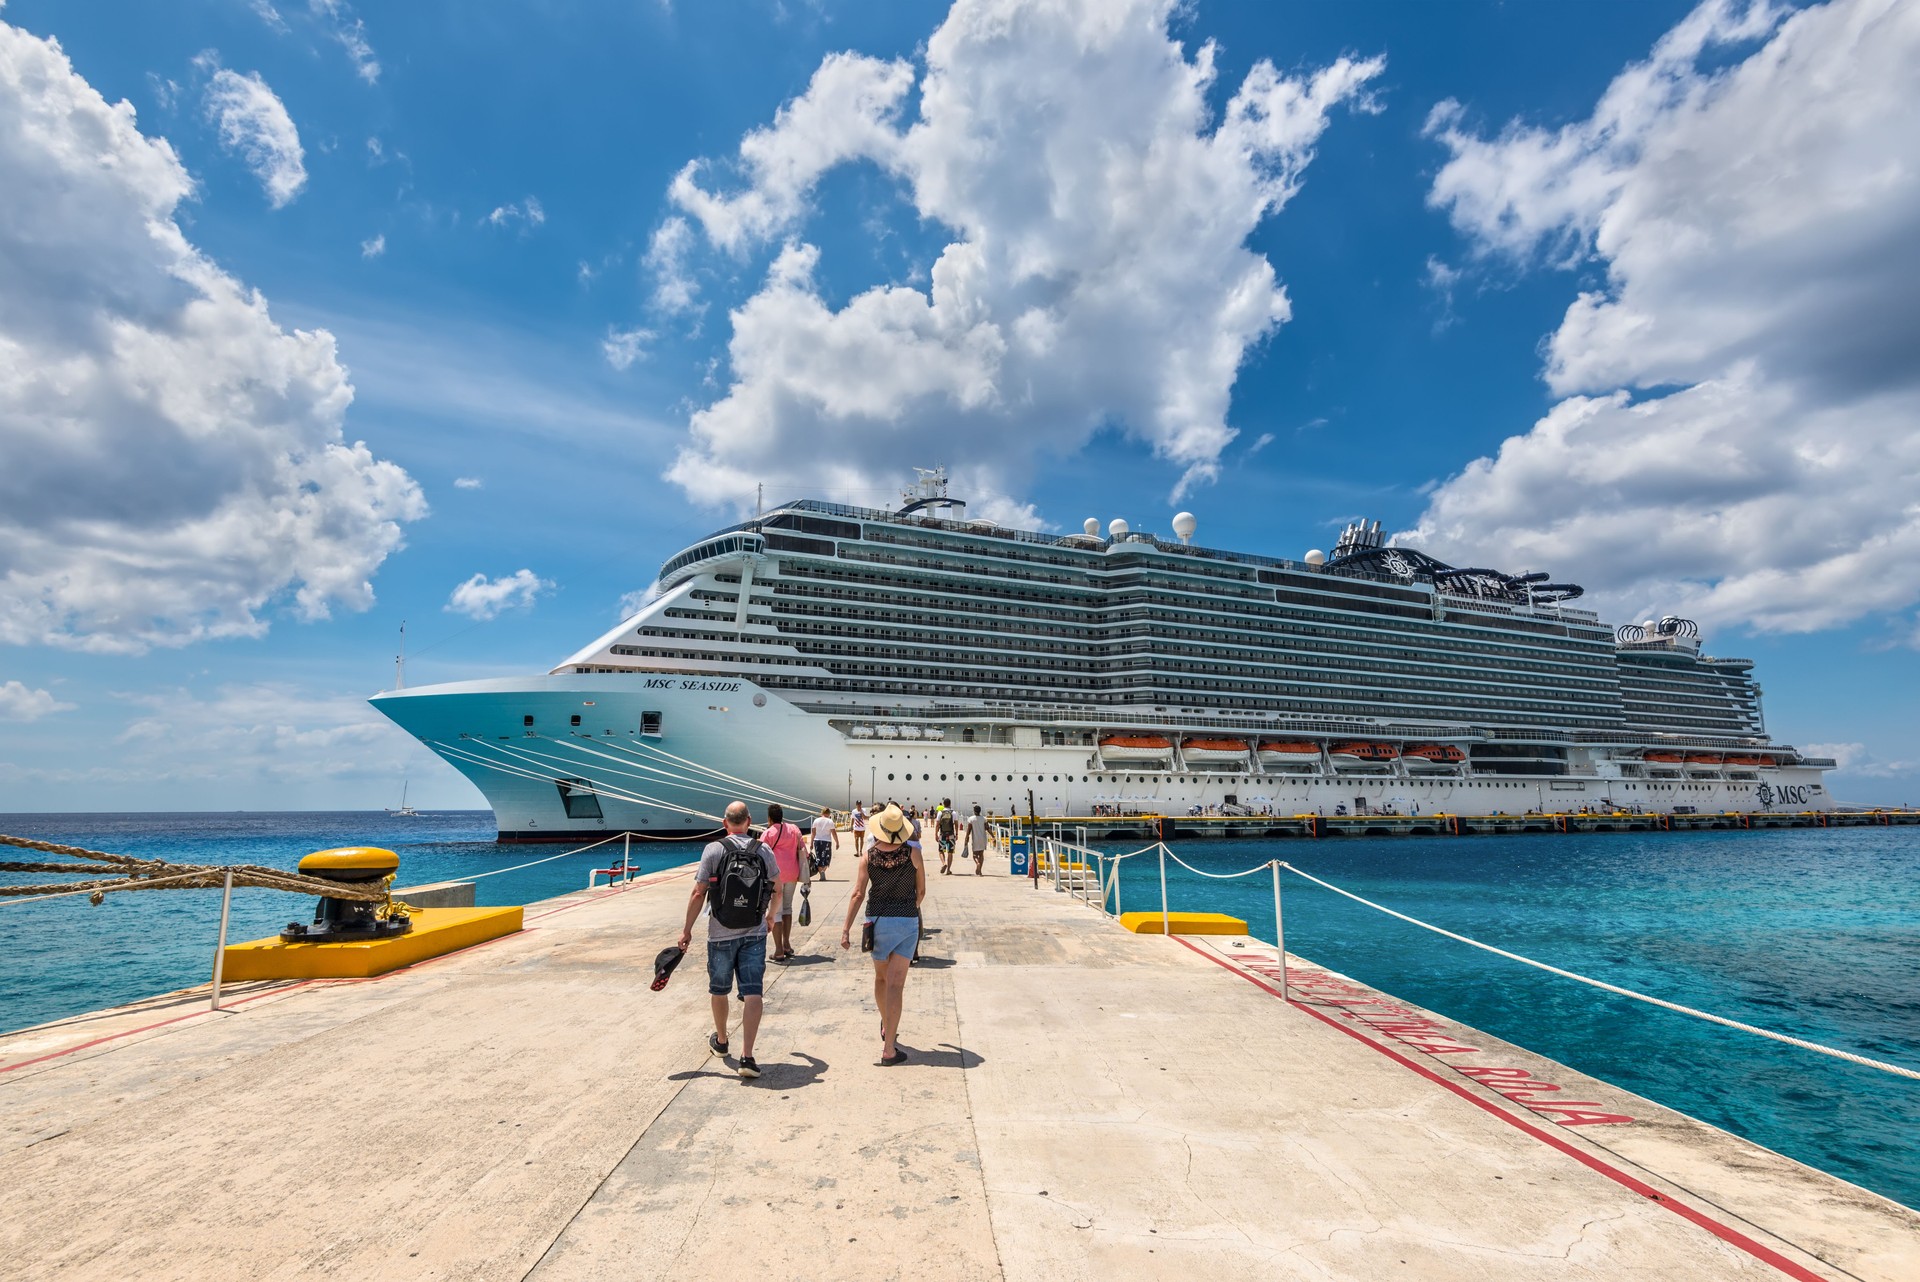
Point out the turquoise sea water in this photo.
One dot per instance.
(1815, 934)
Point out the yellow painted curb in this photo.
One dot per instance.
(436, 932)
(1184, 924)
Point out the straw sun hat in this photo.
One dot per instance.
(891, 826)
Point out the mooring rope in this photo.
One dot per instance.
(129, 873)
(1801, 1042)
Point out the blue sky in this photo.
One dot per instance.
(1623, 292)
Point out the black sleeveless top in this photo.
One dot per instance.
(890, 890)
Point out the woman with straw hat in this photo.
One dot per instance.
(891, 881)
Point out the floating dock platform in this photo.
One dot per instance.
(1079, 1102)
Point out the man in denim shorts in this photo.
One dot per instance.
(733, 955)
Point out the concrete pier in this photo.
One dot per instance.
(1080, 1102)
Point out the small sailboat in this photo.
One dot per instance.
(405, 811)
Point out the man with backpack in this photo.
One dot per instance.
(947, 829)
(737, 881)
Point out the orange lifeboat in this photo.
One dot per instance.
(1370, 754)
(1749, 761)
(1429, 756)
(1284, 751)
(1136, 747)
(1664, 758)
(1703, 758)
(1214, 750)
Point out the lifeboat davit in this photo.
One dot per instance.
(1136, 747)
(1362, 754)
(1281, 751)
(1212, 750)
(1433, 756)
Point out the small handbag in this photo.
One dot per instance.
(866, 938)
(806, 908)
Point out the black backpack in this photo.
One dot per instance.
(741, 889)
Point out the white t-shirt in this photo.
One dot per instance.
(977, 832)
(859, 820)
(823, 828)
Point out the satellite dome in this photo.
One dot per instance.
(1184, 525)
(1316, 557)
(1092, 526)
(1117, 528)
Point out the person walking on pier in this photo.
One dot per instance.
(858, 822)
(946, 829)
(783, 839)
(736, 879)
(826, 840)
(890, 880)
(979, 838)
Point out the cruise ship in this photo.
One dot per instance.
(823, 654)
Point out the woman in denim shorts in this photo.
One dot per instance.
(892, 881)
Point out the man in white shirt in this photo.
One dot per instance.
(826, 840)
(858, 822)
(978, 839)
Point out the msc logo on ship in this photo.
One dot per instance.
(1785, 794)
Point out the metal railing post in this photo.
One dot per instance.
(1116, 886)
(626, 857)
(1279, 930)
(1166, 924)
(220, 949)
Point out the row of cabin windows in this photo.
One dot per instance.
(649, 722)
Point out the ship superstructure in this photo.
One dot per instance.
(823, 653)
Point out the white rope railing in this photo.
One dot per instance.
(1722, 1020)
(549, 859)
(1276, 866)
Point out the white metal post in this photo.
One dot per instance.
(626, 857)
(1116, 886)
(1166, 924)
(220, 949)
(1279, 931)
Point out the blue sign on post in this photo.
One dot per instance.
(1017, 848)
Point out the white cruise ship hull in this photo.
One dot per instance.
(662, 754)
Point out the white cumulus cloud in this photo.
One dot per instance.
(674, 288)
(622, 347)
(374, 246)
(20, 702)
(254, 123)
(467, 482)
(1736, 437)
(483, 598)
(1096, 274)
(175, 463)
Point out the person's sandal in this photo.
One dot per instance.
(717, 1046)
(899, 1057)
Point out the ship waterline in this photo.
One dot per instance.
(822, 655)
